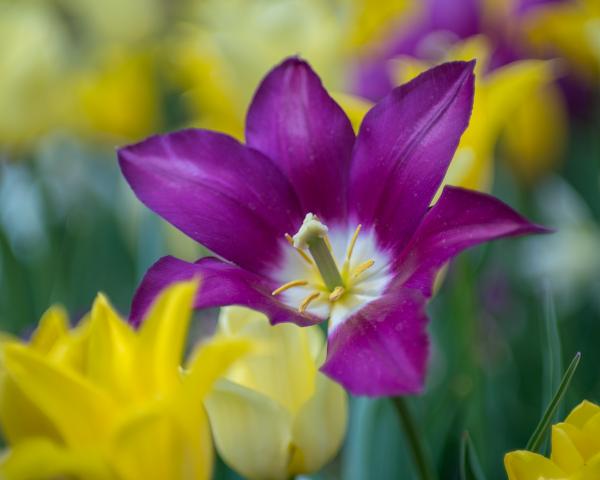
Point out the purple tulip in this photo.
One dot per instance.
(311, 222)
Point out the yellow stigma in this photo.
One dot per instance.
(307, 301)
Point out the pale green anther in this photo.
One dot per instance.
(325, 263)
(312, 234)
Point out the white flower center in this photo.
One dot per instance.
(362, 278)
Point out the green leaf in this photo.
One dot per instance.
(553, 365)
(470, 468)
(537, 439)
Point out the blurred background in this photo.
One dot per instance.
(79, 78)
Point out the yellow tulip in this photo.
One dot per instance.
(575, 450)
(103, 401)
(274, 415)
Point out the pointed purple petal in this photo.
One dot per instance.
(221, 284)
(459, 220)
(231, 199)
(382, 349)
(404, 147)
(295, 122)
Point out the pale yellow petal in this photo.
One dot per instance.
(318, 430)
(523, 465)
(162, 337)
(283, 368)
(79, 411)
(252, 432)
(40, 459)
(53, 325)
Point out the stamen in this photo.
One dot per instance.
(288, 285)
(290, 240)
(353, 242)
(307, 301)
(336, 294)
(328, 243)
(362, 267)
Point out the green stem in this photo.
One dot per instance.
(325, 263)
(414, 438)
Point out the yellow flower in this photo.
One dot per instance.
(571, 30)
(220, 59)
(499, 95)
(33, 44)
(575, 450)
(275, 415)
(119, 97)
(102, 401)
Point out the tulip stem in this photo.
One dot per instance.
(421, 458)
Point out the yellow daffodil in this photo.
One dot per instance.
(499, 96)
(275, 415)
(575, 450)
(103, 401)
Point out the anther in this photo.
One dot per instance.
(307, 301)
(306, 258)
(336, 294)
(353, 242)
(288, 285)
(362, 267)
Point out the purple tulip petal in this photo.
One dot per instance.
(404, 147)
(231, 199)
(221, 284)
(383, 348)
(459, 220)
(295, 122)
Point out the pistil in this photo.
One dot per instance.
(313, 234)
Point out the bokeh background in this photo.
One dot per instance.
(79, 78)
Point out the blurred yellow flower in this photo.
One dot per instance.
(102, 401)
(33, 43)
(227, 47)
(119, 98)
(571, 30)
(275, 415)
(500, 95)
(575, 450)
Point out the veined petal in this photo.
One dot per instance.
(40, 459)
(231, 199)
(294, 121)
(404, 147)
(234, 410)
(523, 465)
(382, 349)
(222, 284)
(459, 220)
(79, 410)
